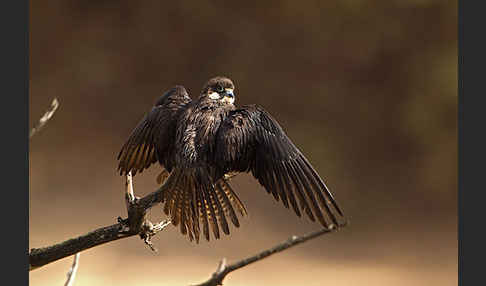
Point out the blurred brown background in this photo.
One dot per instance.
(367, 89)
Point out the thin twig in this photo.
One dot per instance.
(223, 269)
(72, 272)
(43, 120)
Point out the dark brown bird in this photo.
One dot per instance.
(200, 142)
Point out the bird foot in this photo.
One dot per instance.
(149, 230)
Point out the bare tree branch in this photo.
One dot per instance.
(223, 269)
(72, 272)
(135, 224)
(41, 256)
(43, 120)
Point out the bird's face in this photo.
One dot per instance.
(220, 89)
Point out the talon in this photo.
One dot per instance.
(147, 240)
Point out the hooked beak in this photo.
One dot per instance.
(229, 96)
(229, 93)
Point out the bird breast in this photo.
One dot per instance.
(197, 133)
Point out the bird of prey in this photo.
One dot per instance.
(200, 143)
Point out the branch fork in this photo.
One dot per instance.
(135, 224)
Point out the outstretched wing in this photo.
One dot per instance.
(250, 139)
(151, 140)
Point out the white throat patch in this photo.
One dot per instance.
(214, 95)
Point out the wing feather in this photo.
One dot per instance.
(152, 138)
(303, 202)
(251, 140)
(288, 188)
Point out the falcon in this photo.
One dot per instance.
(201, 143)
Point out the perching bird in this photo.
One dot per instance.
(200, 142)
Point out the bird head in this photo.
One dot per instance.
(219, 89)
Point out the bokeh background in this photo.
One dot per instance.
(367, 89)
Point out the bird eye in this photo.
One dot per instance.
(219, 88)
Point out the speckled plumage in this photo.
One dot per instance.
(198, 141)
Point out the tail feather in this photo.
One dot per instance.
(233, 197)
(226, 204)
(213, 213)
(219, 211)
(203, 212)
(193, 199)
